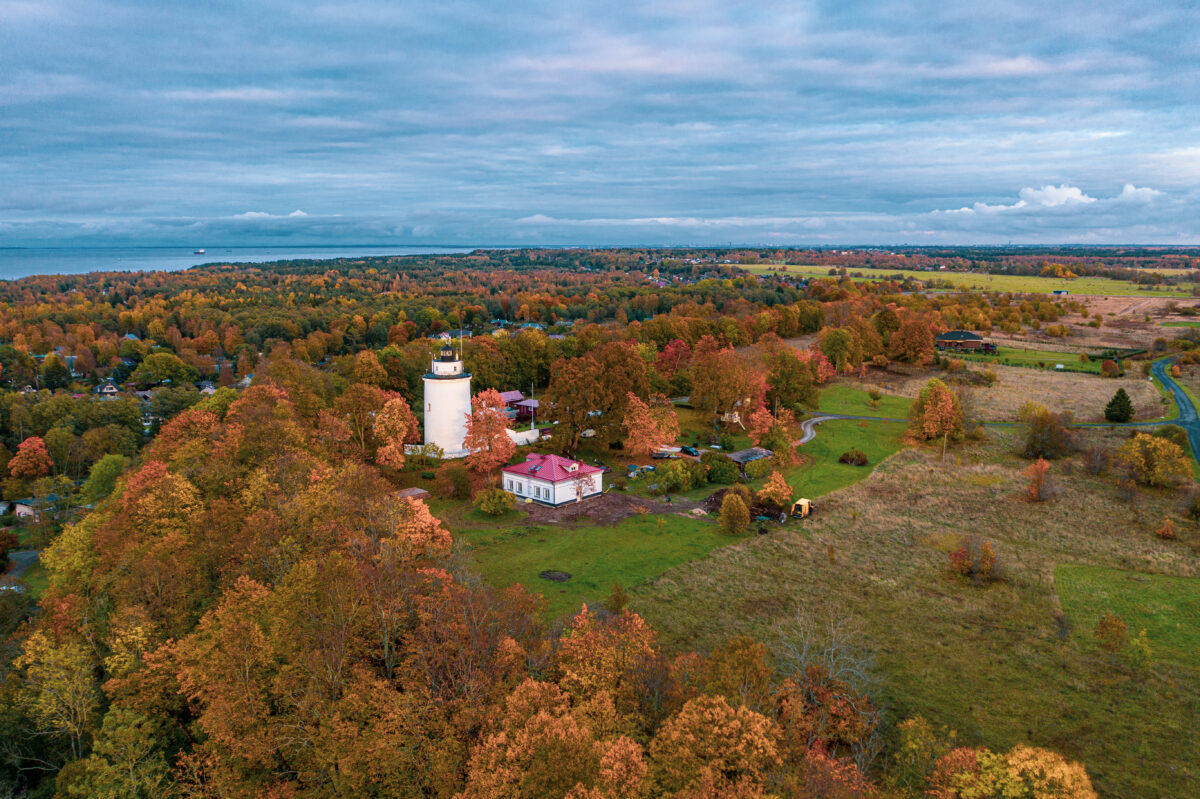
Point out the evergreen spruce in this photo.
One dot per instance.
(1119, 408)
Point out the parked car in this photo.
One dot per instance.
(689, 451)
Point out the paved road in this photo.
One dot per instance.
(21, 559)
(1188, 419)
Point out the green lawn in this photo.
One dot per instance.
(1048, 359)
(636, 549)
(1167, 608)
(849, 401)
(877, 440)
(37, 580)
(1180, 324)
(1009, 283)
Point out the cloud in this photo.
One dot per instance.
(1053, 196)
(297, 212)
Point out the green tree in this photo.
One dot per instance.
(55, 373)
(102, 478)
(1119, 408)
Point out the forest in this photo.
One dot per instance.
(237, 604)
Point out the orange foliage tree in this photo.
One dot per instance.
(488, 442)
(649, 426)
(392, 425)
(32, 459)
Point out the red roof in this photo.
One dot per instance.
(511, 396)
(553, 468)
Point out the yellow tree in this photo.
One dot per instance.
(1153, 460)
(776, 491)
(936, 413)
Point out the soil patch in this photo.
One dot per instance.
(555, 576)
(608, 508)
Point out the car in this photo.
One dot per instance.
(689, 451)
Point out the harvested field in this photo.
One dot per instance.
(999, 663)
(1082, 394)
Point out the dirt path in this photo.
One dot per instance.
(609, 508)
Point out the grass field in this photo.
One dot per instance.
(1035, 359)
(1167, 608)
(848, 401)
(991, 662)
(37, 580)
(876, 440)
(636, 549)
(1010, 283)
(1180, 324)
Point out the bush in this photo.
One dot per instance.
(854, 457)
(458, 482)
(495, 501)
(1167, 530)
(1046, 434)
(1120, 407)
(976, 559)
(760, 468)
(1096, 460)
(727, 442)
(735, 516)
(681, 475)
(721, 468)
(743, 492)
(1174, 433)
(427, 475)
(621, 484)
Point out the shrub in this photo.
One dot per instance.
(721, 468)
(1153, 461)
(495, 501)
(621, 484)
(1173, 432)
(1037, 479)
(735, 516)
(727, 442)
(1111, 634)
(1096, 460)
(875, 395)
(1191, 508)
(854, 457)
(458, 482)
(760, 468)
(1109, 368)
(1120, 407)
(427, 475)
(681, 475)
(1167, 530)
(989, 375)
(1046, 434)
(976, 559)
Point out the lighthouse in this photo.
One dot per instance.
(447, 403)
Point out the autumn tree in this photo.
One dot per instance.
(1037, 479)
(592, 390)
(776, 492)
(649, 427)
(912, 341)
(1111, 634)
(31, 461)
(735, 516)
(487, 441)
(391, 427)
(936, 413)
(710, 738)
(1153, 461)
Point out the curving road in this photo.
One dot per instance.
(1188, 419)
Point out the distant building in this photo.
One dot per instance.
(412, 493)
(553, 480)
(959, 340)
(107, 390)
(1061, 292)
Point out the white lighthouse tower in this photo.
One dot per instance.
(447, 403)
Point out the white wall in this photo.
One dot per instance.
(447, 405)
(522, 487)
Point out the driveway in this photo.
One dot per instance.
(21, 559)
(1188, 419)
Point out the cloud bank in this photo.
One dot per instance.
(702, 122)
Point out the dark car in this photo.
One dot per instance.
(689, 451)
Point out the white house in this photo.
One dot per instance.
(553, 480)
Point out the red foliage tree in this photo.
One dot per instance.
(487, 437)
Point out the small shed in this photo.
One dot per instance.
(412, 493)
(744, 456)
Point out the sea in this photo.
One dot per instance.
(18, 262)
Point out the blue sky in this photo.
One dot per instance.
(773, 123)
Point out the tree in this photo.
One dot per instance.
(102, 478)
(367, 369)
(1153, 461)
(936, 413)
(31, 461)
(1037, 479)
(162, 367)
(1119, 408)
(1046, 434)
(735, 516)
(592, 391)
(649, 427)
(912, 341)
(721, 468)
(55, 373)
(392, 425)
(776, 492)
(487, 440)
(708, 736)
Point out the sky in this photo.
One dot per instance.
(577, 123)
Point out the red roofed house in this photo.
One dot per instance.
(553, 480)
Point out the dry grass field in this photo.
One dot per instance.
(999, 663)
(1083, 394)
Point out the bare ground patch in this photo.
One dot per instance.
(609, 508)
